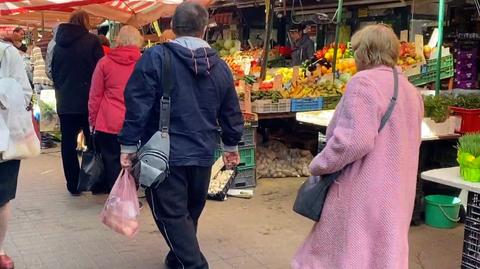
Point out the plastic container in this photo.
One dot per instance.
(470, 120)
(248, 138)
(245, 178)
(267, 106)
(331, 102)
(307, 104)
(247, 155)
(471, 239)
(447, 61)
(441, 211)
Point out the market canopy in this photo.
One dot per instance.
(134, 12)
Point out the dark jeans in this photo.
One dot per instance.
(108, 146)
(176, 205)
(70, 127)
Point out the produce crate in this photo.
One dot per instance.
(267, 106)
(247, 155)
(222, 195)
(248, 138)
(470, 120)
(446, 62)
(331, 102)
(307, 104)
(421, 79)
(471, 239)
(246, 178)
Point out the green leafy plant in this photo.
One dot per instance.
(470, 143)
(437, 107)
(468, 101)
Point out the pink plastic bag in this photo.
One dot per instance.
(121, 209)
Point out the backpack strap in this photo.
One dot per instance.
(167, 87)
(393, 101)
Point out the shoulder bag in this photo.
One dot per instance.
(313, 192)
(151, 165)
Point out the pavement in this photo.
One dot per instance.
(51, 229)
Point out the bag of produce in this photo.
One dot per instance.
(121, 209)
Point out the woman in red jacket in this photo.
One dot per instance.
(107, 105)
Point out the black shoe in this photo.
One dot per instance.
(75, 194)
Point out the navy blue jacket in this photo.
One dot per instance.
(204, 97)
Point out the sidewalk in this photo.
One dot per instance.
(50, 229)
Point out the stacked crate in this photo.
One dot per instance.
(466, 57)
(471, 244)
(246, 171)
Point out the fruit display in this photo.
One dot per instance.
(266, 95)
(226, 47)
(308, 87)
(346, 66)
(408, 56)
(344, 51)
(427, 51)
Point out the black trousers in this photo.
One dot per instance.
(70, 127)
(177, 204)
(109, 148)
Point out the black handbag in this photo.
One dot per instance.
(150, 167)
(313, 192)
(92, 169)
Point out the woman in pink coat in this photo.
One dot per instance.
(367, 213)
(106, 105)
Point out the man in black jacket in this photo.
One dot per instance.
(75, 56)
(203, 97)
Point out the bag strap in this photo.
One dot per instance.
(167, 86)
(393, 101)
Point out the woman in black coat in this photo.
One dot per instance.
(75, 56)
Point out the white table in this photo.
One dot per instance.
(451, 177)
(323, 117)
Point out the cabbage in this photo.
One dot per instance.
(228, 44)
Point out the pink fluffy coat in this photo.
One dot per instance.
(367, 214)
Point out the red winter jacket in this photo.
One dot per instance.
(106, 105)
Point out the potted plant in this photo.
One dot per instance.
(467, 107)
(469, 156)
(437, 119)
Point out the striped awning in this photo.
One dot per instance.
(134, 12)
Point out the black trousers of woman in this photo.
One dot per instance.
(109, 148)
(70, 127)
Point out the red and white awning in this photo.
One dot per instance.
(134, 12)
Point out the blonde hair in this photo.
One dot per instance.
(375, 45)
(129, 36)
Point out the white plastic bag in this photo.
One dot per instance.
(22, 138)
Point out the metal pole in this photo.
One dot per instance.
(337, 36)
(266, 43)
(441, 17)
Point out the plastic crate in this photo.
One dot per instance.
(247, 155)
(470, 119)
(331, 102)
(248, 138)
(307, 104)
(246, 178)
(267, 106)
(429, 77)
(471, 239)
(447, 62)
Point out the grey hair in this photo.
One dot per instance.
(190, 19)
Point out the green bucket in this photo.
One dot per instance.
(441, 211)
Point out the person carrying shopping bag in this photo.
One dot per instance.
(186, 80)
(106, 105)
(15, 120)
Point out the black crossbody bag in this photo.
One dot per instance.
(313, 192)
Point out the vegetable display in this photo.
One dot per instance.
(276, 160)
(469, 156)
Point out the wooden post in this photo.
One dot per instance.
(266, 44)
(441, 17)
(337, 36)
